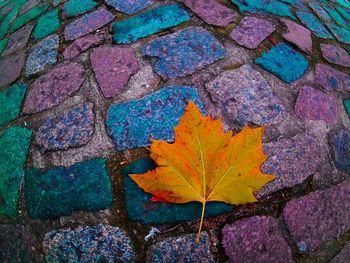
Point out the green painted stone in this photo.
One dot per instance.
(3, 43)
(10, 102)
(5, 24)
(59, 191)
(28, 16)
(14, 145)
(347, 106)
(148, 23)
(78, 7)
(47, 24)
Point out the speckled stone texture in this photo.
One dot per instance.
(343, 255)
(129, 6)
(291, 161)
(18, 244)
(82, 44)
(77, 7)
(72, 128)
(141, 209)
(298, 35)
(14, 145)
(87, 24)
(132, 124)
(251, 31)
(212, 12)
(183, 52)
(331, 79)
(181, 249)
(246, 97)
(312, 23)
(284, 62)
(11, 101)
(10, 68)
(42, 55)
(59, 191)
(54, 87)
(150, 22)
(319, 216)
(256, 238)
(313, 104)
(46, 24)
(340, 147)
(18, 40)
(342, 34)
(88, 244)
(113, 67)
(335, 55)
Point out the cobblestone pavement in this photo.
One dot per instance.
(85, 84)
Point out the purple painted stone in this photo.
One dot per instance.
(252, 31)
(339, 141)
(53, 88)
(246, 97)
(73, 127)
(298, 35)
(82, 44)
(18, 40)
(331, 79)
(256, 238)
(10, 68)
(313, 104)
(336, 55)
(87, 24)
(291, 161)
(28, 5)
(343, 256)
(319, 216)
(212, 12)
(113, 67)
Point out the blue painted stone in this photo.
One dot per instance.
(42, 55)
(321, 13)
(340, 148)
(141, 209)
(284, 62)
(72, 128)
(297, 3)
(183, 52)
(342, 34)
(14, 146)
(59, 191)
(129, 6)
(132, 124)
(314, 25)
(264, 6)
(148, 23)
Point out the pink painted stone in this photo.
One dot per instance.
(298, 35)
(319, 216)
(252, 31)
(82, 44)
(87, 24)
(10, 68)
(53, 88)
(331, 79)
(336, 55)
(256, 239)
(212, 12)
(313, 104)
(113, 67)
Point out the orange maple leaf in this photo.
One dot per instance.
(206, 164)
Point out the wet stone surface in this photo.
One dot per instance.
(59, 191)
(101, 243)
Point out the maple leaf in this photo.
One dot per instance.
(206, 164)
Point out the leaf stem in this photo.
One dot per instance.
(201, 222)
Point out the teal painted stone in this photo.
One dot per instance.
(59, 191)
(47, 24)
(141, 209)
(3, 43)
(336, 16)
(6, 21)
(132, 124)
(344, 12)
(14, 145)
(314, 25)
(342, 34)
(344, 3)
(29, 16)
(148, 23)
(347, 106)
(129, 6)
(10, 102)
(321, 13)
(78, 7)
(284, 62)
